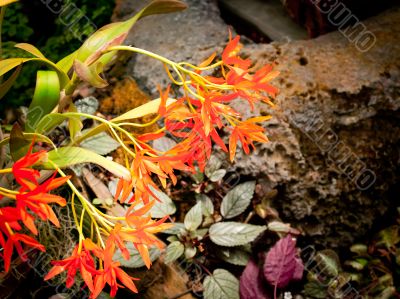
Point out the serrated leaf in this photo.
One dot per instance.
(101, 144)
(221, 285)
(234, 233)
(217, 175)
(67, 156)
(280, 262)
(163, 144)
(87, 105)
(213, 164)
(45, 98)
(252, 283)
(236, 256)
(135, 260)
(164, 206)
(174, 251)
(194, 217)
(237, 200)
(207, 205)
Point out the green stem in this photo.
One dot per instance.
(2, 13)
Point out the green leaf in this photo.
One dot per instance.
(194, 217)
(162, 207)
(135, 260)
(217, 175)
(49, 122)
(19, 145)
(206, 204)
(30, 49)
(315, 290)
(87, 105)
(234, 233)
(101, 144)
(222, 284)
(190, 252)
(67, 156)
(45, 98)
(6, 2)
(328, 261)
(115, 33)
(213, 164)
(6, 86)
(236, 256)
(237, 200)
(66, 63)
(174, 251)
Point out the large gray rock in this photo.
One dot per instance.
(334, 99)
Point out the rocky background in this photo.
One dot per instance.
(335, 124)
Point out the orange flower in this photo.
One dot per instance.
(246, 132)
(229, 55)
(22, 170)
(14, 241)
(82, 260)
(111, 273)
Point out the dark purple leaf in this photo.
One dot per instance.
(252, 284)
(280, 262)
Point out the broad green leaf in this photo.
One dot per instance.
(49, 122)
(164, 206)
(143, 110)
(101, 144)
(6, 2)
(206, 204)
(174, 251)
(30, 49)
(19, 145)
(30, 137)
(8, 64)
(45, 98)
(221, 285)
(237, 200)
(190, 252)
(316, 290)
(231, 234)
(67, 156)
(213, 164)
(135, 260)
(104, 37)
(194, 217)
(66, 63)
(217, 175)
(328, 261)
(5, 87)
(236, 256)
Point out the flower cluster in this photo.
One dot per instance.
(31, 201)
(198, 119)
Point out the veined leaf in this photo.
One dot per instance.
(222, 284)
(30, 49)
(66, 63)
(194, 217)
(236, 256)
(5, 87)
(45, 98)
(174, 251)
(164, 207)
(49, 122)
(68, 156)
(101, 144)
(234, 233)
(207, 205)
(252, 284)
(237, 200)
(135, 260)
